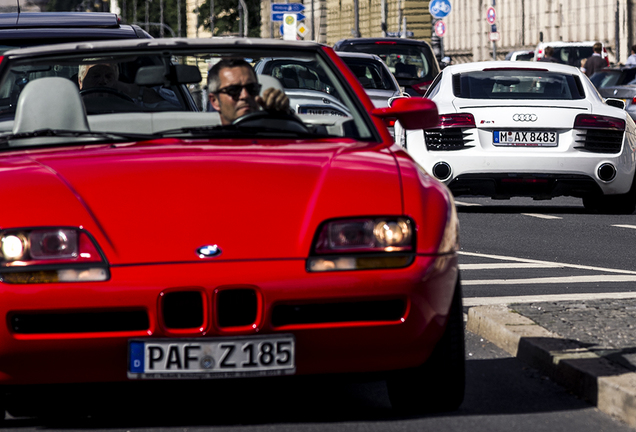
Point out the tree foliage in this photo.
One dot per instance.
(226, 14)
(128, 15)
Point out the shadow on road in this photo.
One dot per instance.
(494, 387)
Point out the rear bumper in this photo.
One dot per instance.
(368, 340)
(548, 172)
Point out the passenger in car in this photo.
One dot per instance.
(106, 75)
(233, 90)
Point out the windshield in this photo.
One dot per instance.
(404, 61)
(517, 84)
(164, 93)
(572, 55)
(371, 74)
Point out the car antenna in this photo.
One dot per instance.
(18, 2)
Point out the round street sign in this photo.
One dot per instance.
(440, 28)
(439, 8)
(491, 16)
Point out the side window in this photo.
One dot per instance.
(434, 88)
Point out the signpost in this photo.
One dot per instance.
(440, 28)
(289, 14)
(278, 16)
(491, 15)
(287, 7)
(290, 24)
(439, 8)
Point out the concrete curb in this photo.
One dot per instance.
(611, 387)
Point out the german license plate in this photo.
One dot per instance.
(320, 111)
(525, 138)
(212, 358)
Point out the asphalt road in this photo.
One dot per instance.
(515, 248)
(502, 395)
(523, 247)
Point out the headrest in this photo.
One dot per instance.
(268, 81)
(50, 103)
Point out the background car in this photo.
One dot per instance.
(374, 75)
(310, 91)
(626, 93)
(520, 55)
(569, 53)
(612, 77)
(37, 28)
(175, 247)
(412, 62)
(537, 130)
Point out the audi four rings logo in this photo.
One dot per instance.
(525, 117)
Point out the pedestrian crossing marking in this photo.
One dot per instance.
(553, 280)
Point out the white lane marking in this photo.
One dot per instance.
(553, 280)
(625, 226)
(484, 301)
(461, 203)
(494, 266)
(541, 216)
(525, 260)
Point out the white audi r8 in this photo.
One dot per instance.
(533, 129)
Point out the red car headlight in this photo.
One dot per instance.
(44, 255)
(363, 243)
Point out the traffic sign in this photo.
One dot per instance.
(302, 30)
(439, 8)
(491, 16)
(408, 34)
(494, 36)
(288, 7)
(279, 16)
(290, 25)
(440, 28)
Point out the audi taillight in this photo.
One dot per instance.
(591, 121)
(463, 120)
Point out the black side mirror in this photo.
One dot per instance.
(618, 103)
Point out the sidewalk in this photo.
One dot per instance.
(587, 346)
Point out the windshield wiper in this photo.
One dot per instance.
(62, 133)
(238, 131)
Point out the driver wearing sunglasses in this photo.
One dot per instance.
(233, 90)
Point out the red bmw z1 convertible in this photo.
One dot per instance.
(143, 240)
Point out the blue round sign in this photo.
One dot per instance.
(439, 8)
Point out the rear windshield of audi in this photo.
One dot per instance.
(517, 84)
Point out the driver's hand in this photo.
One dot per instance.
(273, 100)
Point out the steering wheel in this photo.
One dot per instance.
(108, 90)
(271, 119)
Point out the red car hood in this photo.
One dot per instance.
(161, 201)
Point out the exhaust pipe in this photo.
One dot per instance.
(442, 170)
(606, 172)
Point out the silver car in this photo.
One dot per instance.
(374, 75)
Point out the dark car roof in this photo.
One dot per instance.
(36, 28)
(355, 41)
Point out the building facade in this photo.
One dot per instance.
(522, 24)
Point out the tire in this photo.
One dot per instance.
(613, 204)
(438, 384)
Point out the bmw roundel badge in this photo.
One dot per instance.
(208, 251)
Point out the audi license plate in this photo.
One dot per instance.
(525, 138)
(212, 358)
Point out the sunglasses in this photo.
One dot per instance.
(234, 91)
